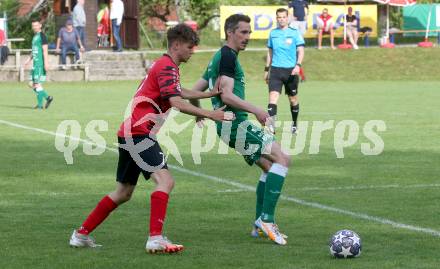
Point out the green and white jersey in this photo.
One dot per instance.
(246, 138)
(225, 62)
(38, 41)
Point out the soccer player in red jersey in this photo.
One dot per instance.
(139, 152)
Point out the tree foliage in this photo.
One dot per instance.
(201, 11)
(156, 8)
(20, 27)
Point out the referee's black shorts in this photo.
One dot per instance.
(146, 162)
(280, 76)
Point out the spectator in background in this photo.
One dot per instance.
(299, 21)
(2, 38)
(116, 15)
(325, 26)
(4, 51)
(79, 20)
(68, 40)
(103, 30)
(352, 26)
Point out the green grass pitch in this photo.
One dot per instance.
(42, 199)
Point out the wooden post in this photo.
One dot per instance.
(91, 9)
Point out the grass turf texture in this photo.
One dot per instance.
(42, 199)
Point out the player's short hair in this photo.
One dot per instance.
(231, 23)
(182, 33)
(36, 20)
(281, 10)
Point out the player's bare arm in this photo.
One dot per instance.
(229, 98)
(200, 86)
(185, 107)
(196, 94)
(46, 57)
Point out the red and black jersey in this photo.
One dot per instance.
(151, 100)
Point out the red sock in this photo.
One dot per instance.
(98, 215)
(159, 202)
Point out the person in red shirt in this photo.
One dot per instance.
(325, 26)
(139, 151)
(2, 38)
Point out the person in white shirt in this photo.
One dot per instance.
(79, 20)
(116, 14)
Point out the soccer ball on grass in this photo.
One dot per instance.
(345, 244)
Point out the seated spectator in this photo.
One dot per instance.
(68, 40)
(352, 26)
(325, 26)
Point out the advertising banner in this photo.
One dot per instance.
(416, 18)
(263, 18)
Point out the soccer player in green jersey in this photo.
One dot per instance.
(39, 57)
(255, 144)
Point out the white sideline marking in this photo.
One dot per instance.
(358, 187)
(367, 187)
(56, 134)
(252, 189)
(231, 191)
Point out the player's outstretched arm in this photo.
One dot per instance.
(185, 107)
(230, 99)
(200, 86)
(198, 91)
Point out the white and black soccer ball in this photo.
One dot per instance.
(345, 244)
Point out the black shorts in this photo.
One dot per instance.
(147, 161)
(283, 76)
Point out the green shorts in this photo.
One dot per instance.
(37, 76)
(246, 138)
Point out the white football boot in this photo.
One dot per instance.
(161, 244)
(257, 233)
(271, 230)
(82, 241)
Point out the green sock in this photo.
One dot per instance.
(41, 95)
(260, 195)
(44, 93)
(272, 192)
(39, 98)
